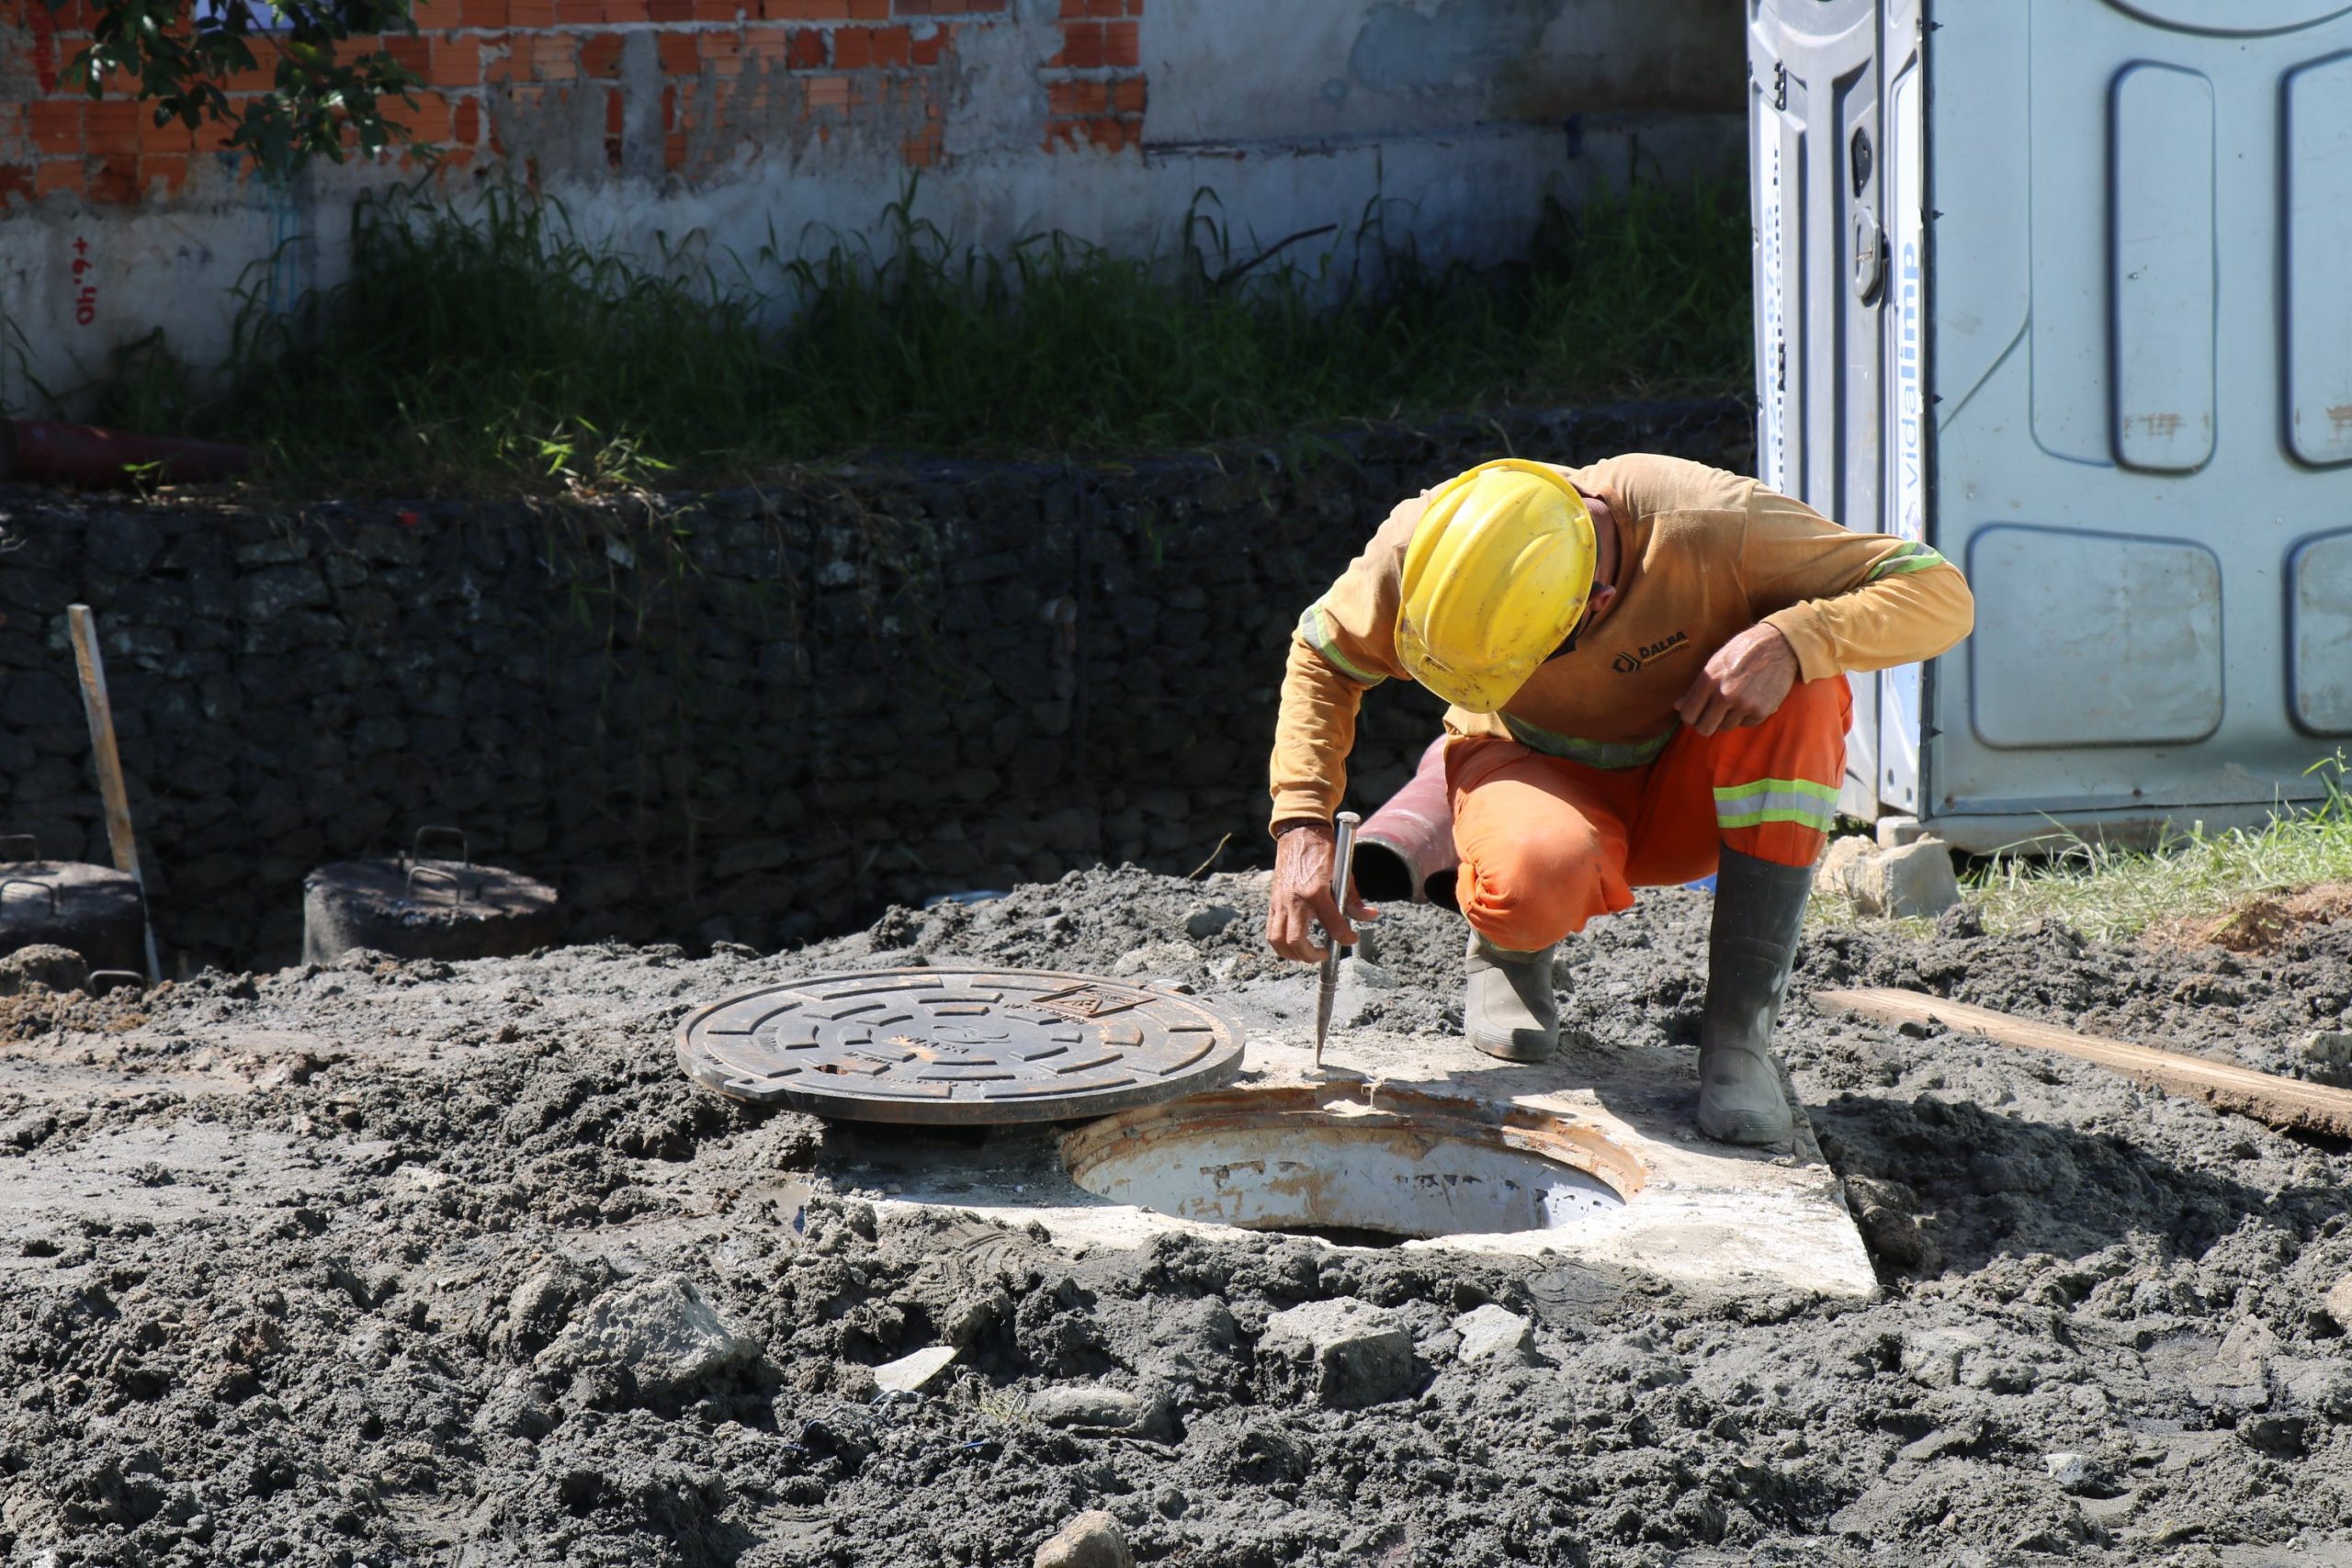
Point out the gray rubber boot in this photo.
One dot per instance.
(1510, 1011)
(1759, 909)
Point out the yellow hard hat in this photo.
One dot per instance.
(1496, 575)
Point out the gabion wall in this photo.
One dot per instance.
(757, 716)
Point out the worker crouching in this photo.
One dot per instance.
(1644, 660)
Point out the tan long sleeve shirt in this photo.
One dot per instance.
(1706, 555)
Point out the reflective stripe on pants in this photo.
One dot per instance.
(1548, 843)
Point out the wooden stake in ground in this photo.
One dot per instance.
(2265, 1097)
(119, 835)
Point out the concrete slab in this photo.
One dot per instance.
(1589, 1156)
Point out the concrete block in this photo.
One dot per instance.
(1915, 880)
(1495, 1334)
(1774, 1227)
(1093, 1540)
(1894, 832)
(1091, 1408)
(1342, 1354)
(2327, 1058)
(1837, 871)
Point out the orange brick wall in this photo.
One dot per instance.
(840, 64)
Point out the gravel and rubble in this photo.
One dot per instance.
(447, 1263)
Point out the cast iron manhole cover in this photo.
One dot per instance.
(959, 1045)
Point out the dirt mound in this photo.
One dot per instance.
(438, 1263)
(2263, 923)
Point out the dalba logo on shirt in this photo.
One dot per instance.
(1628, 663)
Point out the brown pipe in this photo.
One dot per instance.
(45, 452)
(1405, 850)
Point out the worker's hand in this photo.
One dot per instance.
(1302, 896)
(1744, 683)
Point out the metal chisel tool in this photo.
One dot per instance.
(1343, 860)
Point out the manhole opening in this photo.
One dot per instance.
(1343, 1235)
(1411, 1168)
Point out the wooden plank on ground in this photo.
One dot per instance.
(2282, 1102)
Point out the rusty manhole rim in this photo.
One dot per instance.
(1124, 1028)
(1555, 1135)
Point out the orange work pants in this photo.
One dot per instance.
(1547, 843)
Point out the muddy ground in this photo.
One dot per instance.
(343, 1265)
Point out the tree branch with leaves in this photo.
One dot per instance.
(323, 100)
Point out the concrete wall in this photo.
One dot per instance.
(760, 716)
(746, 122)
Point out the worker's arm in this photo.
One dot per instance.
(1827, 601)
(1845, 601)
(1313, 732)
(1343, 645)
(1313, 737)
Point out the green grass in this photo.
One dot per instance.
(2112, 894)
(492, 349)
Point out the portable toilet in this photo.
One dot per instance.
(2064, 288)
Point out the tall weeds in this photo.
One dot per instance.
(493, 347)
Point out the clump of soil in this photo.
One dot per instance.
(438, 1263)
(2263, 923)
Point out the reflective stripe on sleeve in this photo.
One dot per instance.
(1907, 556)
(1777, 800)
(1315, 626)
